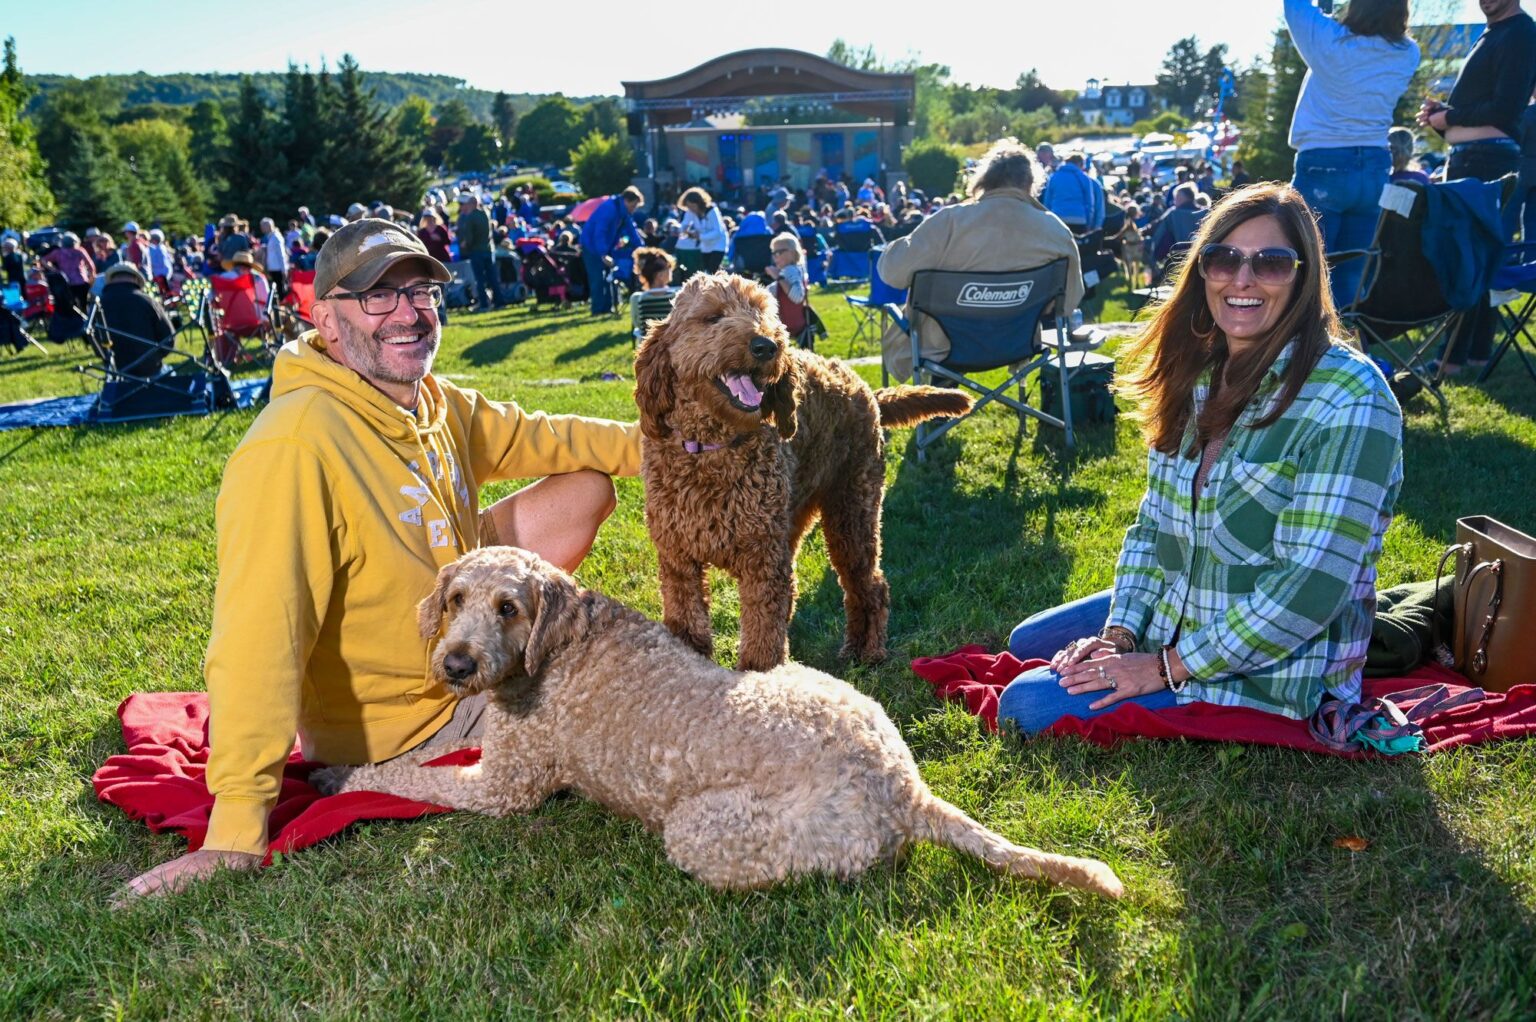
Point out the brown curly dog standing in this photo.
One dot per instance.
(749, 778)
(723, 488)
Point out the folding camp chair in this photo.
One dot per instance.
(298, 303)
(869, 314)
(13, 327)
(994, 320)
(146, 377)
(853, 252)
(1514, 294)
(241, 327)
(67, 320)
(1400, 296)
(753, 254)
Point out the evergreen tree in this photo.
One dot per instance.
(75, 112)
(303, 143)
(163, 186)
(251, 164)
(367, 158)
(210, 135)
(476, 149)
(449, 122)
(505, 120)
(96, 187)
(25, 199)
(1182, 78)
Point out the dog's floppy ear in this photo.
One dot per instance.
(782, 400)
(655, 380)
(429, 612)
(559, 620)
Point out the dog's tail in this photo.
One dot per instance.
(905, 406)
(937, 821)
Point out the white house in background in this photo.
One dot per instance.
(1118, 105)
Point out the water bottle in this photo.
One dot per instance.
(1077, 320)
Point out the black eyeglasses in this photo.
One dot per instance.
(381, 301)
(1222, 263)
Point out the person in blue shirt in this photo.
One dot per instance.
(1075, 198)
(610, 224)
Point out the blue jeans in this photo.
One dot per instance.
(1035, 699)
(485, 278)
(1343, 187)
(597, 287)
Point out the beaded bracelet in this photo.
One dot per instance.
(1165, 671)
(1123, 638)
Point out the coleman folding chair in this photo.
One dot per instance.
(996, 320)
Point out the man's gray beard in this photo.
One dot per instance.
(361, 342)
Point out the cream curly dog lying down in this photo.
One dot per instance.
(749, 777)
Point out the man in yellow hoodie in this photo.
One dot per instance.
(352, 488)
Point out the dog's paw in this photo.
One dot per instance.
(331, 780)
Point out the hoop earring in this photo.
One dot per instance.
(1194, 328)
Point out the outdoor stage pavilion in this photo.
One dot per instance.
(675, 124)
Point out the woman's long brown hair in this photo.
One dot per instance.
(1182, 341)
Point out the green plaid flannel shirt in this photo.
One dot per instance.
(1271, 582)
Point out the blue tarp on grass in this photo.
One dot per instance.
(81, 410)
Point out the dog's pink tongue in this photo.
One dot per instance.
(744, 389)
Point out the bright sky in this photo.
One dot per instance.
(499, 44)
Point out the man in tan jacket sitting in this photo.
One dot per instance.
(1003, 227)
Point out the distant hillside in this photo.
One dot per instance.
(391, 87)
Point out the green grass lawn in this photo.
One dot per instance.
(1239, 904)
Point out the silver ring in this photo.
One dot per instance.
(1101, 672)
(1113, 684)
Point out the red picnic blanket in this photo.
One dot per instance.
(977, 678)
(160, 779)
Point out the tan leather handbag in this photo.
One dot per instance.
(1494, 575)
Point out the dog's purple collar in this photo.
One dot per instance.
(694, 447)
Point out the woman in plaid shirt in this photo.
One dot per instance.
(1249, 575)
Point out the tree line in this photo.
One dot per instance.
(81, 152)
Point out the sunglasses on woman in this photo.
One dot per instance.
(1222, 263)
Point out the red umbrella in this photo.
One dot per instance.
(585, 208)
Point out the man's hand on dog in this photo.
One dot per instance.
(179, 873)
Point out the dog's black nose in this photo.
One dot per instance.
(458, 666)
(764, 348)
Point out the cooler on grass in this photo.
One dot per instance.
(1092, 400)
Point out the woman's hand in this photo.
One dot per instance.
(1079, 650)
(1118, 675)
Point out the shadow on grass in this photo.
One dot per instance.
(1450, 475)
(602, 342)
(497, 347)
(1277, 919)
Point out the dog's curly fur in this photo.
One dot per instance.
(749, 778)
(747, 441)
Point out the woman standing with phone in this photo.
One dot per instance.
(1357, 69)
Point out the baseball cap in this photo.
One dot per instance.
(124, 270)
(131, 226)
(357, 255)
